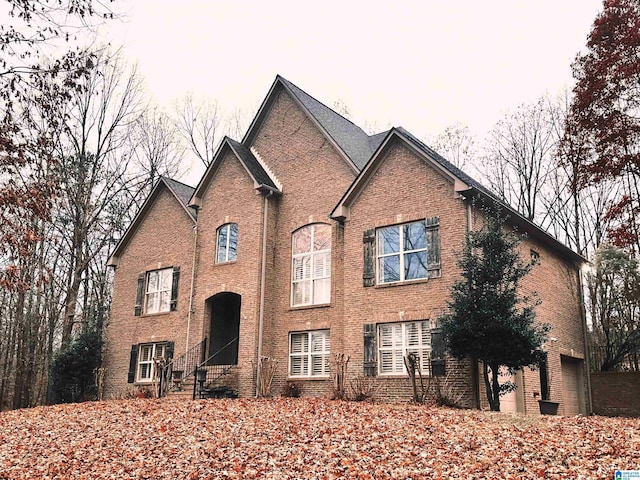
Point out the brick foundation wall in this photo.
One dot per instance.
(616, 393)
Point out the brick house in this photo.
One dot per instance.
(309, 238)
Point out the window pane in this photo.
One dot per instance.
(322, 265)
(165, 299)
(389, 269)
(296, 366)
(322, 237)
(317, 341)
(223, 238)
(166, 278)
(302, 292)
(145, 353)
(322, 291)
(415, 236)
(302, 267)
(302, 240)
(388, 240)
(413, 334)
(299, 343)
(152, 303)
(233, 241)
(318, 363)
(152, 282)
(145, 371)
(415, 265)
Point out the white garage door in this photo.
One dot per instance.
(571, 386)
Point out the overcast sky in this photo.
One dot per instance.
(418, 64)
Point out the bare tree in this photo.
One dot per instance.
(519, 156)
(457, 144)
(201, 123)
(95, 170)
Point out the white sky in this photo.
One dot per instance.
(419, 64)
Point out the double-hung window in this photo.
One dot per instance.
(309, 354)
(410, 251)
(227, 243)
(158, 291)
(311, 265)
(146, 365)
(396, 340)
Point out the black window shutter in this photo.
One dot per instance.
(168, 350)
(139, 294)
(369, 273)
(370, 350)
(433, 246)
(174, 289)
(133, 364)
(438, 347)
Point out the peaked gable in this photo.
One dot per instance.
(262, 181)
(353, 144)
(463, 184)
(180, 191)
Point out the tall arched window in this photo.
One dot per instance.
(227, 243)
(311, 265)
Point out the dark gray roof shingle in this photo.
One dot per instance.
(353, 141)
(252, 164)
(182, 192)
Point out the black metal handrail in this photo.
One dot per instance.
(180, 368)
(206, 375)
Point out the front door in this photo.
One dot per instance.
(224, 309)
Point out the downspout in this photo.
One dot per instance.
(263, 272)
(587, 351)
(474, 363)
(193, 281)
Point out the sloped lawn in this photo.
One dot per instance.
(304, 438)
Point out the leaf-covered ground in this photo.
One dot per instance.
(306, 438)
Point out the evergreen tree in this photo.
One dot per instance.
(488, 319)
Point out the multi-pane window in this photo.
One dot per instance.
(311, 265)
(227, 243)
(158, 291)
(410, 251)
(309, 354)
(146, 365)
(396, 340)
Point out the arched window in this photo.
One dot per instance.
(227, 243)
(311, 265)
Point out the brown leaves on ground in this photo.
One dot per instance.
(306, 438)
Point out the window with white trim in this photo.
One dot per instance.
(309, 354)
(158, 291)
(311, 265)
(410, 251)
(146, 365)
(227, 243)
(395, 340)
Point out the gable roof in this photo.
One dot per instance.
(463, 184)
(180, 191)
(351, 141)
(261, 179)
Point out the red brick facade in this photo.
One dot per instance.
(293, 141)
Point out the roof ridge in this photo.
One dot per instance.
(164, 177)
(324, 104)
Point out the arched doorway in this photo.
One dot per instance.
(224, 328)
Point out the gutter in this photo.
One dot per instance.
(263, 270)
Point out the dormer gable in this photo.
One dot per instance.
(262, 181)
(180, 191)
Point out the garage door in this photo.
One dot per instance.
(571, 386)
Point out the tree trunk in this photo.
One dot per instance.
(492, 386)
